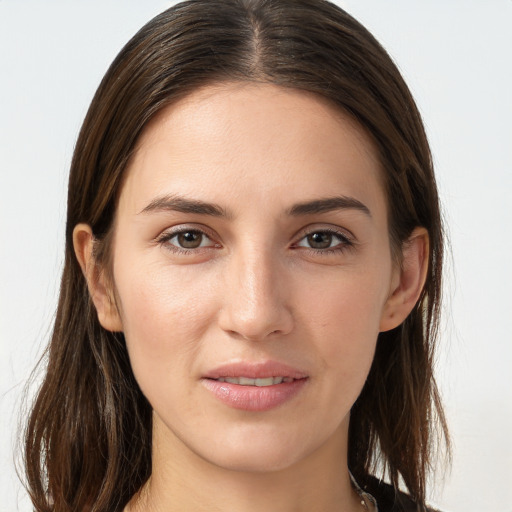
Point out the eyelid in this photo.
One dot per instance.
(326, 228)
(347, 241)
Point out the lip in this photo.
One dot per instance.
(254, 398)
(258, 370)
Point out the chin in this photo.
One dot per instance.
(254, 461)
(260, 451)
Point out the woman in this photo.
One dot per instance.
(251, 287)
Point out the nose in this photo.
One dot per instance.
(254, 301)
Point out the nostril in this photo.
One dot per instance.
(253, 335)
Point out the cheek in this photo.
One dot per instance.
(350, 301)
(344, 318)
(164, 314)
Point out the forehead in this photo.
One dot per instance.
(229, 140)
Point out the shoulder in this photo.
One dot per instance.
(388, 500)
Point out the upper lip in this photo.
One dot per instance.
(256, 370)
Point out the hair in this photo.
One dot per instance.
(88, 439)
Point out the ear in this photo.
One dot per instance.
(408, 281)
(100, 290)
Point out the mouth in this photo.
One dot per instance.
(265, 373)
(259, 382)
(255, 387)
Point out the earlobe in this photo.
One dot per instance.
(412, 274)
(99, 289)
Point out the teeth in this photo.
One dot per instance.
(246, 381)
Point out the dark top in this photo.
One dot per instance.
(390, 501)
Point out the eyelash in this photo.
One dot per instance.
(165, 238)
(345, 242)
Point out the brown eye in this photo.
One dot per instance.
(189, 239)
(320, 240)
(186, 240)
(325, 241)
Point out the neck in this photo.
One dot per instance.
(182, 480)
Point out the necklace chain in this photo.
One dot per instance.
(364, 496)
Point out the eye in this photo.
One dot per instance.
(189, 240)
(323, 240)
(186, 240)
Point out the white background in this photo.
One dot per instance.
(457, 58)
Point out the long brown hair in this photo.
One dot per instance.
(88, 439)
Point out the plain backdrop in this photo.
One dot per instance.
(456, 57)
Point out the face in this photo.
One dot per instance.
(252, 267)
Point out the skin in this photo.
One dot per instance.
(254, 290)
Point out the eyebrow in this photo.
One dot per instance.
(184, 205)
(328, 204)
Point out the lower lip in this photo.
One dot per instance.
(254, 398)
